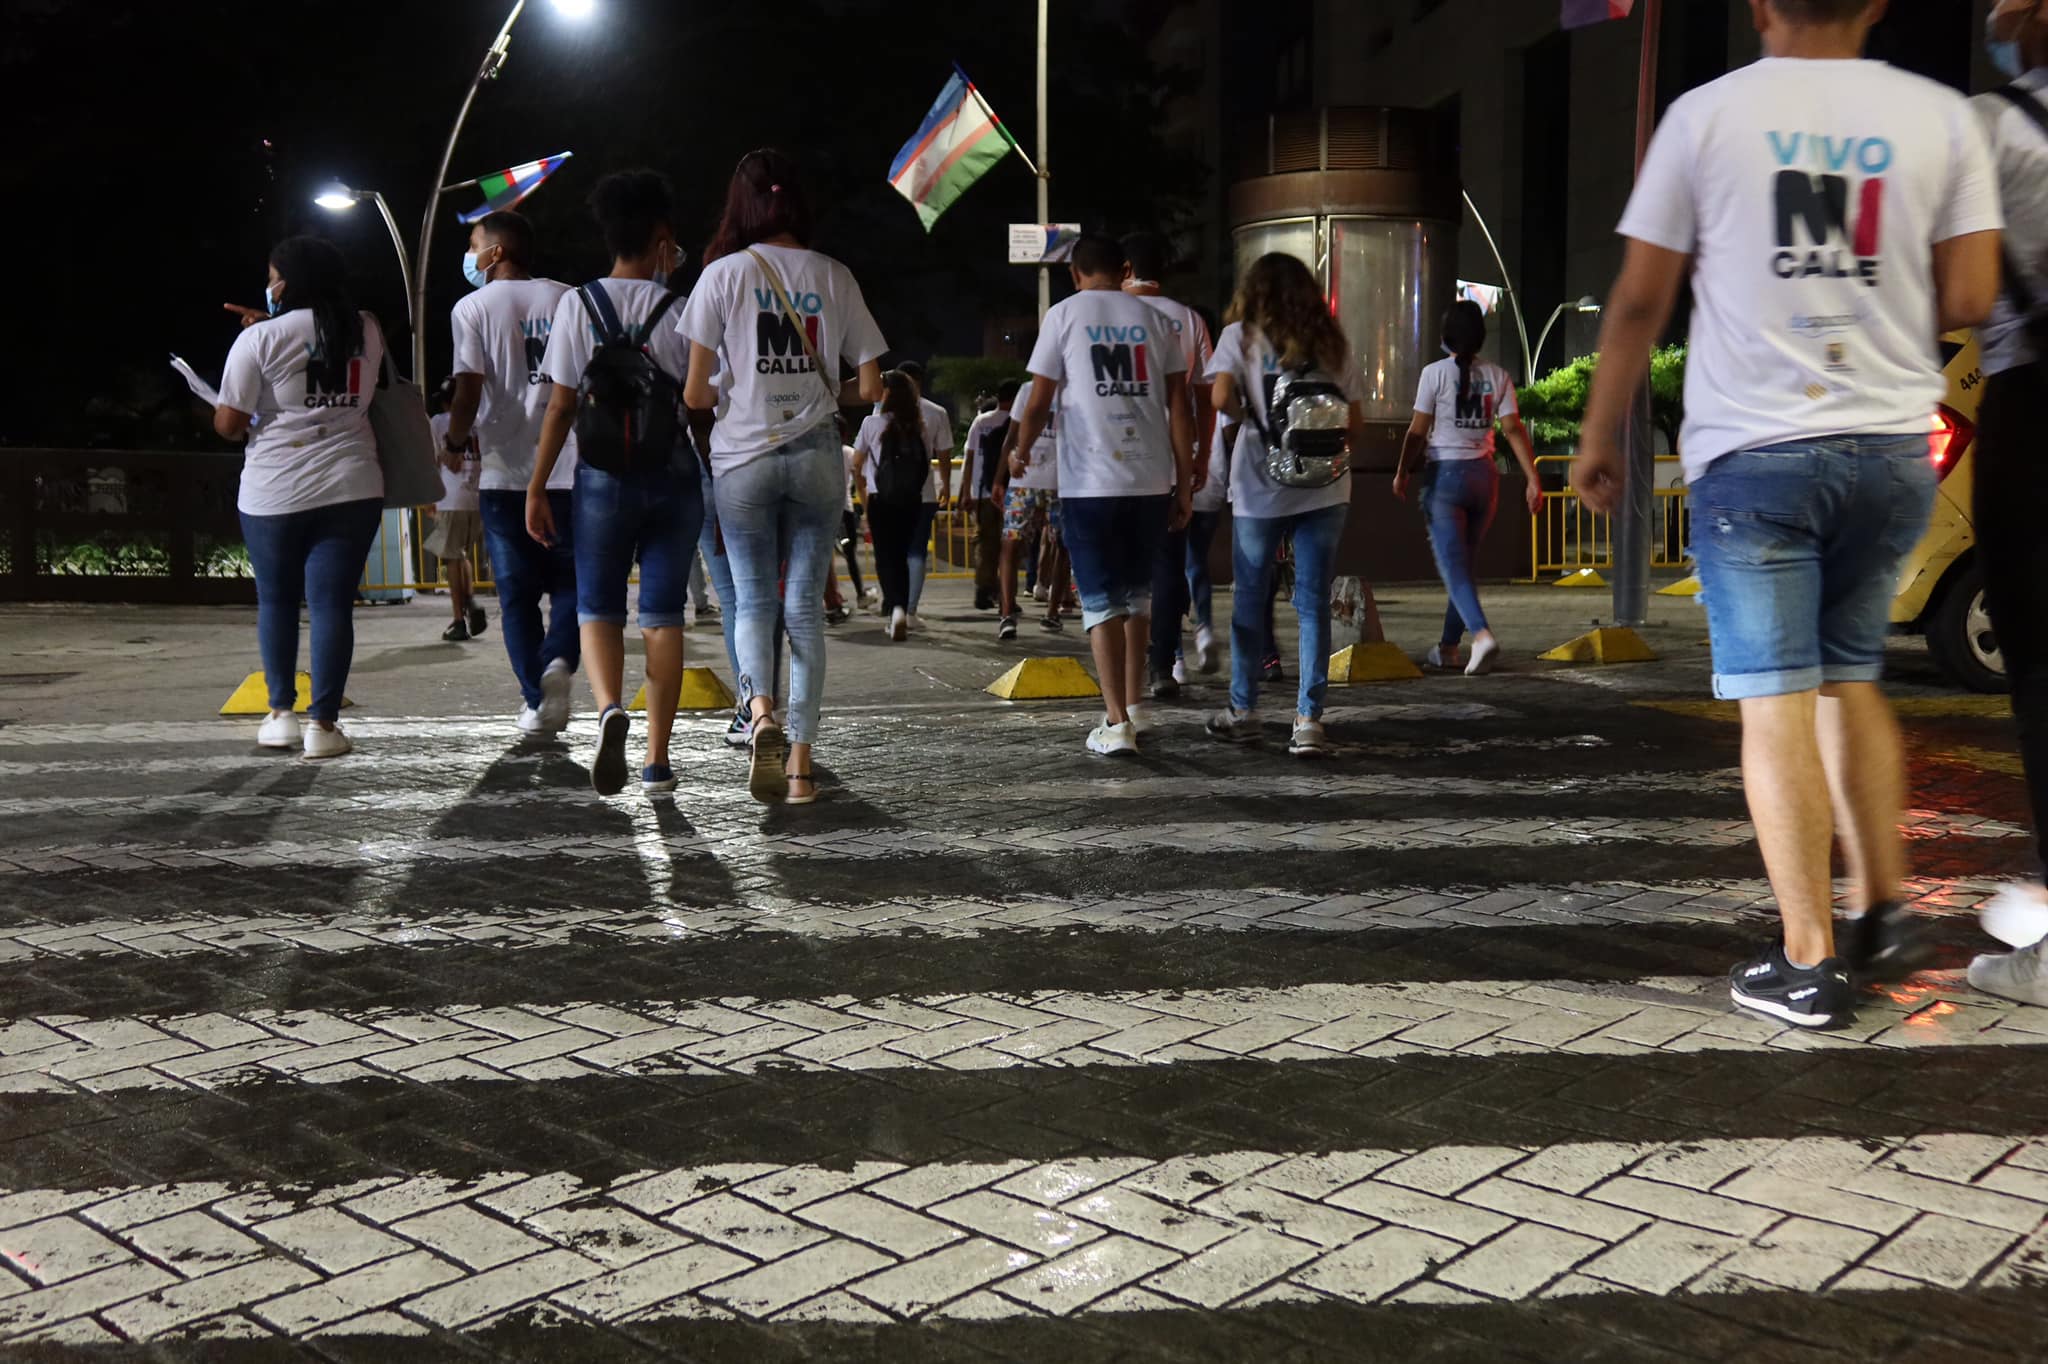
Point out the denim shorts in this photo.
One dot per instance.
(1112, 542)
(1799, 548)
(654, 517)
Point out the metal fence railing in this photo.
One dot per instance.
(1565, 535)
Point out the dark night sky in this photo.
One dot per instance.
(158, 149)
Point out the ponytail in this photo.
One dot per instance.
(1464, 333)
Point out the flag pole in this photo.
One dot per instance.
(1044, 189)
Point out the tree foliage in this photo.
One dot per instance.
(1554, 405)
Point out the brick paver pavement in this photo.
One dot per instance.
(999, 1053)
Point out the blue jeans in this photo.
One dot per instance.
(920, 552)
(1112, 543)
(1458, 499)
(524, 572)
(315, 555)
(1799, 547)
(1201, 592)
(719, 565)
(780, 512)
(655, 517)
(1169, 600)
(1254, 542)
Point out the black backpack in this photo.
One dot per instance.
(991, 454)
(901, 467)
(628, 409)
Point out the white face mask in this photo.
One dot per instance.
(270, 298)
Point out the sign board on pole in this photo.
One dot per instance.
(1042, 243)
(1487, 296)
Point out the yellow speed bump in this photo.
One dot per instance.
(702, 690)
(253, 696)
(1584, 577)
(1684, 587)
(1381, 662)
(1609, 644)
(1045, 679)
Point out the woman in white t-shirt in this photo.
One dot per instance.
(298, 385)
(1460, 400)
(895, 525)
(775, 461)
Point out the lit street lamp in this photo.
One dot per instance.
(341, 199)
(494, 59)
(1588, 304)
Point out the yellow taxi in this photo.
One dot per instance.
(1941, 590)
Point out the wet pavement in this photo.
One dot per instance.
(1001, 1052)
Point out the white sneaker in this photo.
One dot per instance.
(1109, 741)
(1483, 650)
(1041, 593)
(530, 723)
(1142, 721)
(1442, 656)
(914, 622)
(555, 683)
(1180, 671)
(899, 624)
(2012, 975)
(2016, 916)
(1308, 739)
(322, 744)
(1234, 726)
(1205, 649)
(278, 731)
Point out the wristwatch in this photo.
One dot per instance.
(454, 447)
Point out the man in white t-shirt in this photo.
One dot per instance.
(1126, 462)
(1029, 494)
(501, 333)
(457, 529)
(978, 464)
(1835, 217)
(1147, 261)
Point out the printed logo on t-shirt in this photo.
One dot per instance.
(777, 346)
(349, 395)
(534, 337)
(1122, 369)
(1821, 177)
(1473, 411)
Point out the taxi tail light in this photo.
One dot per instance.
(1951, 435)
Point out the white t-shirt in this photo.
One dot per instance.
(970, 459)
(1810, 194)
(2020, 153)
(311, 447)
(1246, 356)
(501, 332)
(1464, 430)
(868, 443)
(1043, 472)
(849, 456)
(1193, 334)
(775, 394)
(574, 339)
(938, 439)
(458, 490)
(1111, 357)
(1213, 494)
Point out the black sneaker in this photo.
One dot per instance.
(456, 632)
(984, 601)
(738, 733)
(608, 767)
(1271, 671)
(1886, 944)
(1164, 688)
(1804, 996)
(477, 621)
(1052, 623)
(1006, 628)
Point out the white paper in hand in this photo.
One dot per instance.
(201, 390)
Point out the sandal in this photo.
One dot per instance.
(809, 780)
(767, 782)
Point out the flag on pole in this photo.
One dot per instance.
(508, 187)
(955, 146)
(1581, 13)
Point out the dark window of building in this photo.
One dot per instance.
(1546, 178)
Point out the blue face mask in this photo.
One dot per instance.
(476, 277)
(2006, 57)
(269, 299)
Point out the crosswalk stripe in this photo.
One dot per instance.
(743, 1035)
(649, 843)
(187, 929)
(880, 1241)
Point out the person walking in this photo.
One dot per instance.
(1281, 340)
(892, 463)
(1806, 455)
(2011, 474)
(778, 320)
(501, 333)
(1029, 493)
(1457, 405)
(978, 467)
(297, 386)
(616, 368)
(457, 527)
(938, 444)
(1126, 465)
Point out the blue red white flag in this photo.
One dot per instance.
(1581, 13)
(504, 188)
(955, 146)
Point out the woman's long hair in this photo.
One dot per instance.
(764, 200)
(900, 406)
(1280, 298)
(1464, 334)
(316, 277)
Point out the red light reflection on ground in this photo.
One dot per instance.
(1925, 1017)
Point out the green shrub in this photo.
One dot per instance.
(1554, 405)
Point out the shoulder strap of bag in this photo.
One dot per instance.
(802, 334)
(668, 298)
(601, 312)
(2016, 287)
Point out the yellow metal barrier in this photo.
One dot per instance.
(1566, 536)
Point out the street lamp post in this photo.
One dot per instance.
(340, 199)
(1588, 304)
(494, 59)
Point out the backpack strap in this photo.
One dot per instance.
(646, 329)
(2017, 289)
(605, 317)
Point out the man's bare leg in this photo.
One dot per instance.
(1107, 642)
(1866, 770)
(1787, 787)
